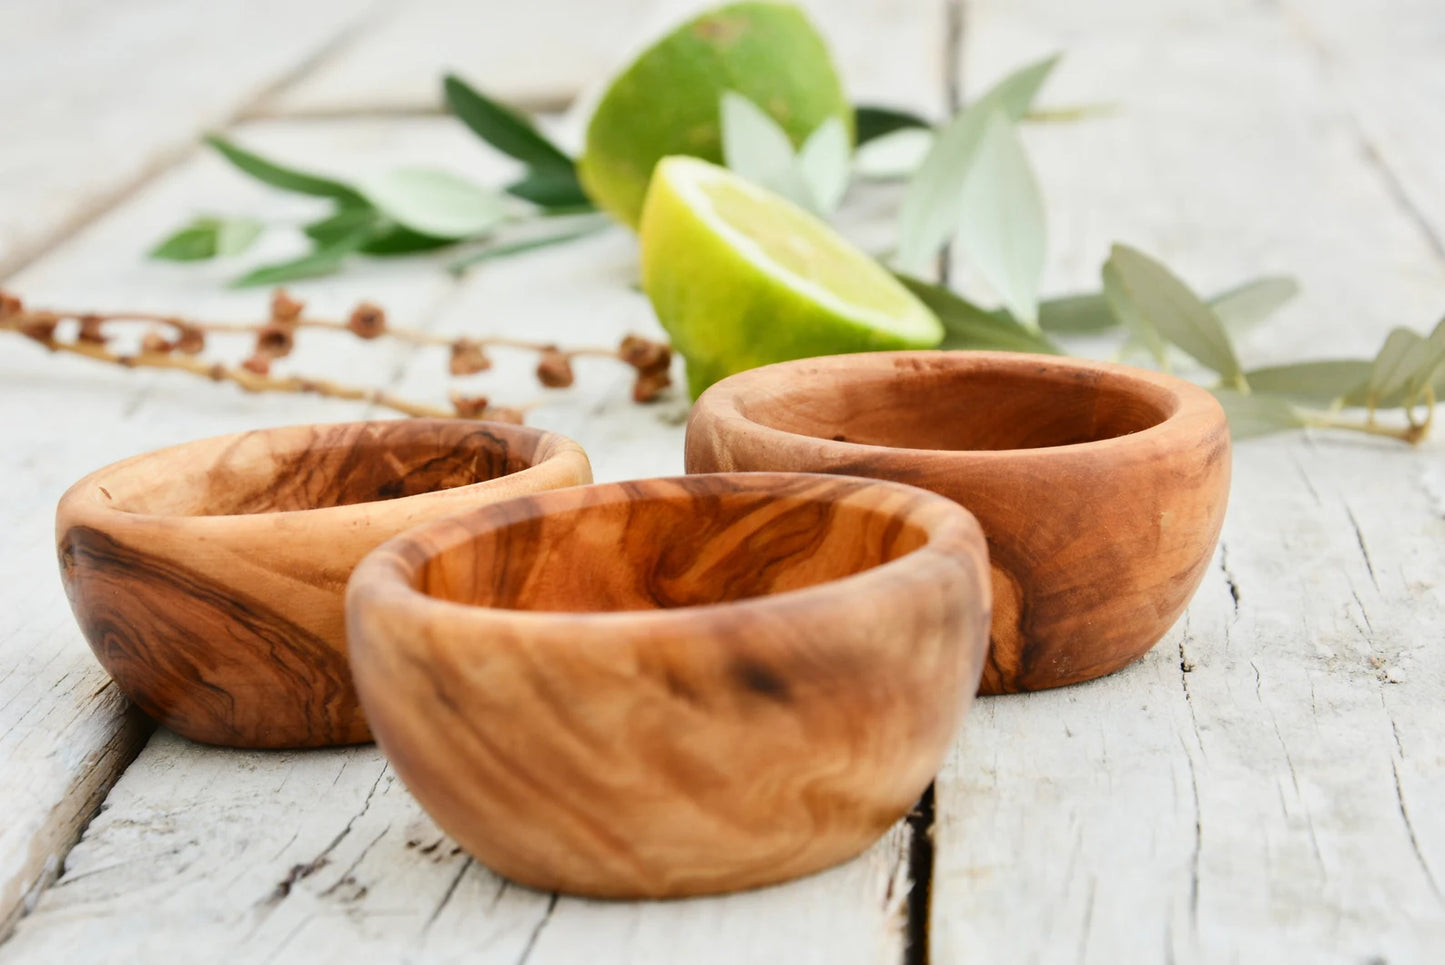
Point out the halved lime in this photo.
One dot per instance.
(741, 277)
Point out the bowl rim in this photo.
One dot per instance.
(384, 579)
(560, 457)
(724, 402)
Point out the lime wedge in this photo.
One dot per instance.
(740, 277)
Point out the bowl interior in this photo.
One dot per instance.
(962, 406)
(666, 551)
(290, 470)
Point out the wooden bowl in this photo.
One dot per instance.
(209, 577)
(673, 686)
(1101, 488)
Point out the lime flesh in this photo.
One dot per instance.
(740, 277)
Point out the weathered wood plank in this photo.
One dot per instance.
(1265, 783)
(544, 53)
(100, 96)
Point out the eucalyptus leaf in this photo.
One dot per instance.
(1166, 305)
(1251, 415)
(756, 147)
(871, 122)
(932, 207)
(1245, 306)
(1002, 231)
(285, 178)
(436, 203)
(967, 326)
(1317, 383)
(504, 129)
(1142, 334)
(824, 161)
(508, 249)
(324, 260)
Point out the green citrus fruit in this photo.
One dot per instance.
(666, 102)
(741, 277)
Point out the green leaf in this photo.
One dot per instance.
(344, 222)
(1318, 383)
(508, 249)
(1016, 92)
(1166, 304)
(194, 242)
(504, 129)
(322, 261)
(893, 157)
(966, 326)
(285, 178)
(1406, 365)
(1002, 232)
(1077, 314)
(756, 147)
(823, 163)
(395, 239)
(932, 206)
(1257, 415)
(1245, 306)
(436, 203)
(209, 237)
(551, 190)
(1122, 306)
(236, 235)
(871, 122)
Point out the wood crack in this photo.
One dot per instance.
(537, 930)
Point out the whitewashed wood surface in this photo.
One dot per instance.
(1268, 782)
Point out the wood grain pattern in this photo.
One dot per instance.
(1102, 488)
(673, 686)
(208, 577)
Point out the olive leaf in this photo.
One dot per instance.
(871, 122)
(1253, 414)
(504, 129)
(436, 203)
(1002, 231)
(1122, 307)
(322, 261)
(283, 177)
(1317, 383)
(1245, 306)
(495, 252)
(1077, 314)
(1166, 305)
(208, 237)
(1406, 366)
(932, 208)
(756, 147)
(551, 191)
(967, 326)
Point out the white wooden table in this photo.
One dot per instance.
(1268, 782)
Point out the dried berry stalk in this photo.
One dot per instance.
(174, 342)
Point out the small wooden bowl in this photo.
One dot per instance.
(209, 577)
(673, 686)
(1102, 488)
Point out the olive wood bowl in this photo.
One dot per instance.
(1101, 488)
(673, 686)
(209, 577)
